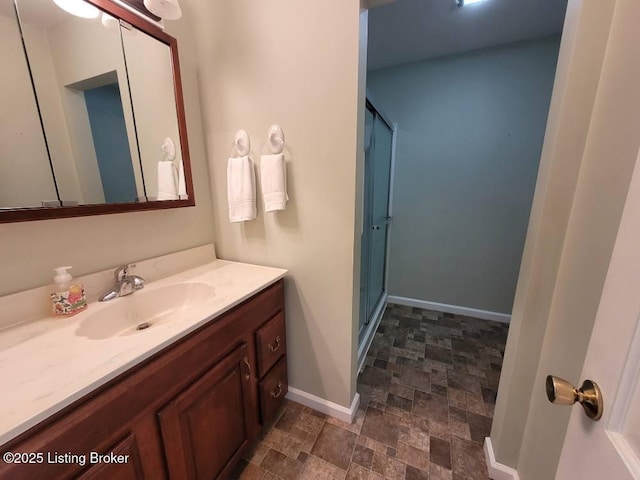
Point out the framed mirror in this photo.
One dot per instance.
(101, 127)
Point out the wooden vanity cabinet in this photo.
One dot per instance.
(188, 412)
(205, 427)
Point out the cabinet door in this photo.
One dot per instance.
(206, 427)
(122, 462)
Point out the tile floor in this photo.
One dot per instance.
(427, 391)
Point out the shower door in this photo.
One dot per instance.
(378, 145)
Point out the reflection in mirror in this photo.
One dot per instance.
(80, 79)
(26, 179)
(150, 73)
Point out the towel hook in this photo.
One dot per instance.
(168, 150)
(275, 140)
(241, 143)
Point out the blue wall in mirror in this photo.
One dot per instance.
(111, 143)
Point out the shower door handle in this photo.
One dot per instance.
(386, 222)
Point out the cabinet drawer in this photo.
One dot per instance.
(271, 343)
(273, 388)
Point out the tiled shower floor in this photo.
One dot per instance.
(427, 391)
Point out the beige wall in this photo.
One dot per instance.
(30, 250)
(296, 64)
(585, 171)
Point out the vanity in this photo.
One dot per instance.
(176, 380)
(182, 398)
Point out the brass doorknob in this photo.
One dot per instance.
(561, 392)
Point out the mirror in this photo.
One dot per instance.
(26, 178)
(108, 95)
(151, 83)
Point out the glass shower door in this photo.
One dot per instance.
(376, 211)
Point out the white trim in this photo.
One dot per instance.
(497, 471)
(364, 346)
(443, 307)
(325, 406)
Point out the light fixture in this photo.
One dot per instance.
(165, 9)
(462, 3)
(109, 22)
(79, 8)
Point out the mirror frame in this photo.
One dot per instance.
(23, 214)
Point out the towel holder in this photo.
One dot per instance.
(275, 140)
(168, 150)
(241, 144)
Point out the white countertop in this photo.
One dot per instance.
(48, 364)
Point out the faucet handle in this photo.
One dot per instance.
(123, 271)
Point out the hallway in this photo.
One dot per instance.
(427, 391)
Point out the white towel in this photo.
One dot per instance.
(182, 184)
(274, 182)
(166, 181)
(241, 189)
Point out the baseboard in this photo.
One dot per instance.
(325, 406)
(443, 307)
(363, 348)
(496, 470)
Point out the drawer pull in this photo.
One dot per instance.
(273, 392)
(272, 348)
(247, 375)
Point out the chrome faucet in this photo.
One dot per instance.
(125, 284)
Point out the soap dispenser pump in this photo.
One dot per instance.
(67, 298)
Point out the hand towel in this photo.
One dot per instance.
(166, 181)
(241, 189)
(274, 182)
(182, 184)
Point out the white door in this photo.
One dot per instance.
(610, 448)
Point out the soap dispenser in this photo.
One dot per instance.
(68, 297)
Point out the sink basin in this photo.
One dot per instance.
(143, 310)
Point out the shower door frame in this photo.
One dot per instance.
(366, 334)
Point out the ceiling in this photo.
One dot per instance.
(410, 30)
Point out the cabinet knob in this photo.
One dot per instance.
(277, 342)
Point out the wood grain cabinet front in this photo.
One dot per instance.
(122, 462)
(273, 387)
(271, 343)
(187, 413)
(205, 428)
